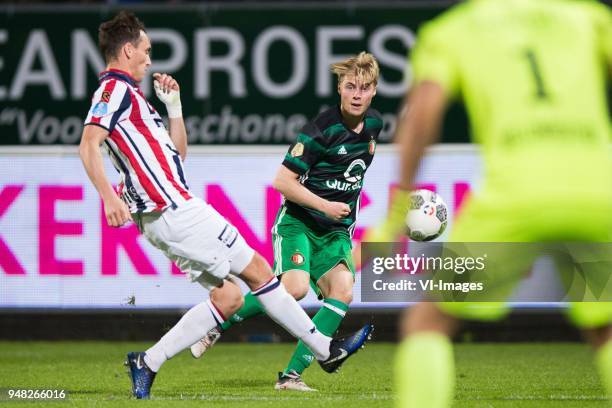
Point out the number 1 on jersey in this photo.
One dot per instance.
(541, 92)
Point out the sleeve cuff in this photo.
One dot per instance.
(99, 125)
(293, 167)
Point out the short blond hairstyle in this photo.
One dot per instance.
(363, 66)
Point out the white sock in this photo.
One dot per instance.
(192, 327)
(286, 311)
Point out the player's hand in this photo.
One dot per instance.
(116, 211)
(336, 210)
(169, 92)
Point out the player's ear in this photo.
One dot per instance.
(128, 49)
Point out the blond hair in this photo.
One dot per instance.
(363, 66)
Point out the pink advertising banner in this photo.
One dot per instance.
(56, 250)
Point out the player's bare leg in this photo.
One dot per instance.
(198, 320)
(598, 337)
(227, 298)
(283, 308)
(296, 283)
(337, 289)
(224, 300)
(337, 284)
(228, 303)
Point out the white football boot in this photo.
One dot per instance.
(292, 381)
(199, 348)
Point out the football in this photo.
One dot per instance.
(427, 216)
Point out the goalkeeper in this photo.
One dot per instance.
(321, 179)
(532, 75)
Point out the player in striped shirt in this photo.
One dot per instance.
(153, 192)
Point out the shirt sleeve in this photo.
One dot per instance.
(433, 58)
(109, 105)
(305, 151)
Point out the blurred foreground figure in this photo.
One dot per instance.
(532, 75)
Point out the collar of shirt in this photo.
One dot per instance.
(119, 74)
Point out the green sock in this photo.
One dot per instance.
(251, 308)
(425, 371)
(603, 359)
(327, 320)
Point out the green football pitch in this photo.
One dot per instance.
(243, 375)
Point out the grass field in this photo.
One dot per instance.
(239, 375)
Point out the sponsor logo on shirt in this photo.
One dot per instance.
(100, 109)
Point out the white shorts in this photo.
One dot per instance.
(199, 240)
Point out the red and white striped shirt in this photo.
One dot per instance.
(151, 169)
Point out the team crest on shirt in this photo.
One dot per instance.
(297, 150)
(297, 259)
(100, 109)
(105, 96)
(372, 147)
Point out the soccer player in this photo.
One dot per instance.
(532, 75)
(321, 178)
(153, 193)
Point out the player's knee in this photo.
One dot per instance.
(228, 298)
(237, 303)
(296, 282)
(599, 336)
(338, 284)
(297, 291)
(235, 300)
(345, 295)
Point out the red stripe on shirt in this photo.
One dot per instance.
(136, 119)
(142, 176)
